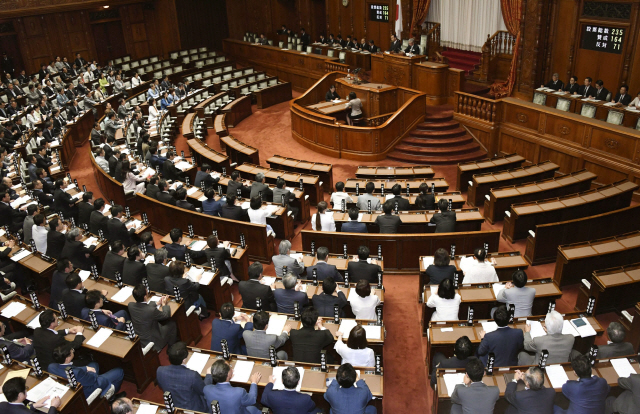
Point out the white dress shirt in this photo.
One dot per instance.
(326, 220)
(258, 216)
(446, 309)
(337, 197)
(364, 308)
(355, 357)
(39, 235)
(475, 272)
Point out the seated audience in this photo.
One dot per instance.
(425, 200)
(588, 393)
(345, 395)
(15, 393)
(322, 268)
(55, 238)
(535, 398)
(283, 259)
(210, 206)
(440, 269)
(616, 346)
(387, 222)
(46, 338)
(232, 400)
(157, 271)
(259, 188)
(188, 289)
(623, 96)
(97, 220)
(403, 203)
(446, 302)
(364, 302)
(64, 267)
(555, 83)
(505, 342)
(18, 345)
(517, 293)
(289, 400)
(338, 196)
(325, 301)
(147, 315)
(323, 219)
(251, 289)
(73, 297)
(258, 215)
(474, 396)
(229, 328)
(134, 269)
(311, 338)
(258, 341)
(462, 354)
(285, 197)
(558, 344)
(477, 270)
(629, 401)
(219, 254)
(572, 86)
(362, 269)
(117, 229)
(114, 261)
(177, 249)
(94, 300)
(293, 292)
(363, 199)
(232, 211)
(445, 220)
(602, 93)
(356, 351)
(185, 385)
(353, 225)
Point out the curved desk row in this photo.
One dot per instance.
(238, 151)
(467, 170)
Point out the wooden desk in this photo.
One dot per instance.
(202, 154)
(440, 185)
(353, 57)
(467, 170)
(238, 151)
(457, 200)
(614, 289)
(416, 221)
(324, 171)
(395, 69)
(136, 403)
(237, 110)
(273, 95)
(391, 173)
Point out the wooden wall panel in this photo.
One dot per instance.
(510, 144)
(566, 162)
(202, 23)
(354, 20)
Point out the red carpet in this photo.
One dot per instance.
(462, 59)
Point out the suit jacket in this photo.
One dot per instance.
(117, 230)
(586, 395)
(363, 205)
(558, 345)
(11, 217)
(287, 402)
(522, 298)
(203, 176)
(445, 221)
(156, 272)
(252, 289)
(324, 270)
(58, 286)
(477, 398)
(232, 188)
(425, 202)
(153, 190)
(133, 272)
(538, 401)
(556, 86)
(84, 212)
(185, 204)
(615, 350)
(351, 400)
(624, 100)
(146, 318)
(55, 244)
(324, 303)
(90, 381)
(166, 198)
(229, 330)
(354, 227)
(414, 50)
(232, 400)
(331, 96)
(629, 401)
(75, 251)
(403, 203)
(388, 223)
(212, 207)
(178, 251)
(98, 221)
(505, 343)
(308, 342)
(452, 362)
(258, 342)
(103, 319)
(113, 263)
(219, 255)
(602, 93)
(188, 289)
(438, 273)
(234, 213)
(186, 387)
(256, 188)
(17, 352)
(170, 172)
(363, 270)
(7, 408)
(45, 341)
(395, 46)
(286, 297)
(285, 260)
(73, 302)
(587, 92)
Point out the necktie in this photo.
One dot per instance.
(620, 100)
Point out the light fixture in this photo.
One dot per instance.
(105, 7)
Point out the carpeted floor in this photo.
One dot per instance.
(406, 383)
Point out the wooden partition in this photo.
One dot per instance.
(401, 252)
(202, 153)
(614, 289)
(467, 170)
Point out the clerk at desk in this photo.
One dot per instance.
(412, 48)
(332, 94)
(396, 45)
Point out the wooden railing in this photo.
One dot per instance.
(378, 120)
(474, 106)
(502, 42)
(432, 31)
(498, 48)
(335, 67)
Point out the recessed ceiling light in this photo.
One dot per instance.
(106, 7)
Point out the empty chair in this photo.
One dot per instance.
(237, 74)
(615, 117)
(228, 68)
(261, 76)
(563, 104)
(216, 71)
(245, 91)
(281, 45)
(197, 76)
(273, 81)
(309, 49)
(144, 62)
(270, 42)
(206, 82)
(207, 73)
(251, 79)
(217, 79)
(299, 48)
(242, 81)
(153, 59)
(253, 87)
(233, 84)
(263, 85)
(330, 53)
(342, 56)
(290, 46)
(588, 111)
(174, 55)
(227, 76)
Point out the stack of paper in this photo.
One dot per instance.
(271, 208)
(489, 326)
(35, 322)
(197, 246)
(84, 274)
(277, 372)
(373, 332)
(147, 409)
(557, 375)
(20, 200)
(87, 243)
(48, 387)
(497, 288)
(20, 254)
(136, 223)
(206, 278)
(346, 325)
(268, 280)
(183, 165)
(623, 367)
(13, 309)
(155, 299)
(149, 259)
(427, 261)
(194, 273)
(98, 339)
(245, 205)
(584, 330)
(192, 190)
(297, 256)
(568, 328)
(536, 329)
(276, 324)
(451, 380)
(197, 362)
(242, 371)
(123, 295)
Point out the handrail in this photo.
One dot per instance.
(500, 43)
(335, 67)
(433, 39)
(477, 107)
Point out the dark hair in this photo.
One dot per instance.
(599, 82)
(117, 246)
(626, 88)
(210, 193)
(357, 338)
(231, 200)
(227, 310)
(87, 196)
(146, 237)
(369, 187)
(322, 253)
(53, 223)
(329, 285)
(115, 210)
(98, 204)
(47, 318)
(443, 205)
(255, 203)
(139, 293)
(255, 270)
(589, 79)
(290, 378)
(220, 371)
(616, 332)
(346, 375)
(176, 269)
(363, 252)
(396, 189)
(354, 212)
(133, 252)
(309, 317)
(363, 288)
(235, 175)
(212, 241)
(387, 207)
(480, 254)
(519, 278)
(175, 234)
(441, 257)
(260, 320)
(177, 353)
(72, 280)
(322, 207)
(340, 186)
(181, 193)
(575, 78)
(13, 387)
(501, 316)
(446, 290)
(62, 264)
(92, 298)
(32, 208)
(581, 366)
(463, 348)
(475, 370)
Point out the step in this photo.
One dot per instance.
(412, 149)
(444, 133)
(432, 126)
(436, 159)
(437, 142)
(438, 117)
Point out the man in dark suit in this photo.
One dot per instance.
(219, 254)
(504, 342)
(15, 392)
(588, 393)
(362, 269)
(587, 90)
(353, 226)
(9, 216)
(534, 399)
(292, 292)
(157, 271)
(340, 41)
(288, 400)
(113, 162)
(94, 300)
(412, 48)
(396, 44)
(387, 222)
(20, 351)
(58, 281)
(55, 238)
(555, 83)
(169, 170)
(117, 230)
(134, 269)
(97, 220)
(177, 250)
(152, 187)
(229, 328)
(233, 212)
(629, 401)
(403, 203)
(203, 175)
(474, 396)
(326, 301)
(308, 341)
(80, 62)
(164, 195)
(323, 269)
(623, 96)
(601, 91)
(252, 289)
(350, 44)
(234, 184)
(181, 200)
(305, 39)
(617, 348)
(345, 395)
(76, 251)
(73, 296)
(186, 385)
(463, 353)
(259, 187)
(188, 289)
(331, 94)
(113, 261)
(445, 220)
(46, 338)
(85, 208)
(147, 315)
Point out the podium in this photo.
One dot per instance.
(394, 69)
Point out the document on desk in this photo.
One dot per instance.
(155, 299)
(242, 371)
(271, 208)
(149, 259)
(35, 322)
(346, 326)
(123, 294)
(192, 190)
(21, 373)
(198, 361)
(497, 288)
(536, 329)
(147, 409)
(245, 205)
(583, 327)
(373, 332)
(198, 245)
(84, 274)
(297, 256)
(206, 278)
(48, 387)
(489, 326)
(623, 367)
(98, 339)
(20, 254)
(451, 380)
(557, 375)
(277, 372)
(276, 324)
(13, 309)
(427, 261)
(87, 243)
(267, 280)
(194, 273)
(567, 328)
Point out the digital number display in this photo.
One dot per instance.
(379, 12)
(603, 38)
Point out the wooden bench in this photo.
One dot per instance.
(205, 154)
(220, 126)
(273, 95)
(237, 110)
(614, 289)
(439, 183)
(577, 261)
(500, 199)
(239, 152)
(525, 216)
(482, 183)
(324, 171)
(401, 252)
(388, 173)
(187, 126)
(631, 322)
(457, 200)
(467, 170)
(542, 246)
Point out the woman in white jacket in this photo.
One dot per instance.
(323, 219)
(154, 114)
(446, 302)
(356, 351)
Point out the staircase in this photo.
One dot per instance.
(463, 59)
(438, 140)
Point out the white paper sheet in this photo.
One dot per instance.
(434, 289)
(297, 256)
(585, 330)
(246, 205)
(47, 387)
(346, 325)
(206, 278)
(84, 274)
(277, 372)
(192, 190)
(35, 322)
(623, 367)
(427, 261)
(268, 280)
(149, 259)
(19, 256)
(123, 294)
(242, 371)
(147, 409)
(276, 324)
(373, 332)
(567, 328)
(451, 380)
(98, 339)
(198, 245)
(87, 243)
(536, 329)
(13, 309)
(155, 299)
(271, 208)
(489, 326)
(497, 288)
(194, 273)
(557, 375)
(197, 362)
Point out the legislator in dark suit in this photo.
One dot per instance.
(234, 213)
(133, 272)
(178, 251)
(146, 318)
(439, 273)
(231, 332)
(555, 85)
(55, 244)
(623, 99)
(65, 204)
(477, 398)
(287, 401)
(354, 227)
(98, 221)
(219, 255)
(323, 271)
(73, 302)
(6, 408)
(188, 289)
(331, 96)
(58, 286)
(307, 343)
(11, 217)
(324, 303)
(529, 401)
(170, 172)
(505, 343)
(84, 212)
(285, 299)
(202, 176)
(403, 203)
(156, 272)
(395, 46)
(614, 350)
(186, 205)
(252, 289)
(19, 352)
(152, 191)
(113, 263)
(585, 396)
(117, 230)
(232, 188)
(601, 94)
(388, 223)
(186, 387)
(45, 341)
(452, 362)
(261, 188)
(363, 270)
(412, 49)
(587, 91)
(445, 221)
(166, 198)
(75, 251)
(629, 401)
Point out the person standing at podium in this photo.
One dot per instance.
(412, 49)
(356, 108)
(396, 45)
(332, 94)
